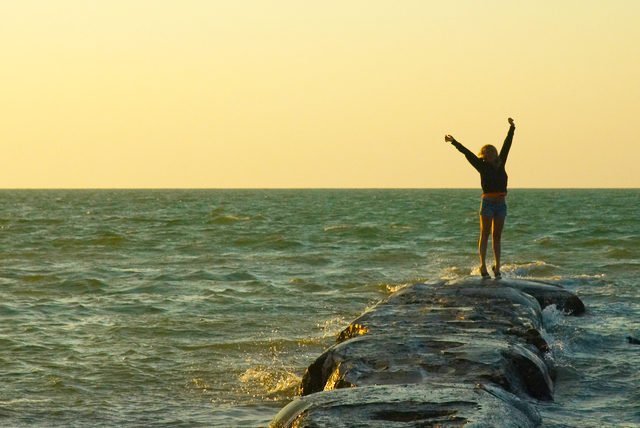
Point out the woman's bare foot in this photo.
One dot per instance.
(496, 272)
(484, 273)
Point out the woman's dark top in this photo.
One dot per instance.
(493, 178)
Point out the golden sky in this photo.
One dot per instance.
(332, 93)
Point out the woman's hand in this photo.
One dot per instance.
(449, 139)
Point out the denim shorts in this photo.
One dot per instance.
(493, 208)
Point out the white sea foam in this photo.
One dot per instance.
(270, 382)
(537, 268)
(332, 327)
(455, 272)
(337, 227)
(392, 288)
(552, 317)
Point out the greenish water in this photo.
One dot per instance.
(203, 308)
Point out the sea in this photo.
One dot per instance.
(202, 308)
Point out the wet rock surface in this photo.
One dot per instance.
(459, 353)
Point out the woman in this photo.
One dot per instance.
(493, 209)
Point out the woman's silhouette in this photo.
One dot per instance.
(493, 208)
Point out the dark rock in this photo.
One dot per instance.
(550, 294)
(423, 405)
(432, 338)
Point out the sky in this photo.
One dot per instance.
(316, 94)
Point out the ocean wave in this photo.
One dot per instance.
(619, 266)
(67, 243)
(240, 276)
(219, 216)
(36, 278)
(401, 227)
(270, 382)
(83, 284)
(392, 288)
(135, 308)
(175, 222)
(7, 310)
(393, 255)
(536, 268)
(621, 253)
(100, 239)
(573, 281)
(223, 219)
(200, 384)
(14, 401)
(272, 241)
(337, 228)
(545, 240)
(595, 242)
(312, 259)
(552, 317)
(199, 275)
(108, 239)
(252, 346)
(303, 285)
(455, 272)
(332, 326)
(139, 218)
(358, 230)
(573, 231)
(39, 221)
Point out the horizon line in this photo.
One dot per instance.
(308, 188)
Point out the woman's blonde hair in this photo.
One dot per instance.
(485, 149)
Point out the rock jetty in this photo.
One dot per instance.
(443, 353)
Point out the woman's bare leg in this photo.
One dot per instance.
(498, 225)
(485, 230)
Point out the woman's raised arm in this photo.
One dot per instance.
(471, 157)
(506, 146)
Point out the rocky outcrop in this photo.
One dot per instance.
(437, 354)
